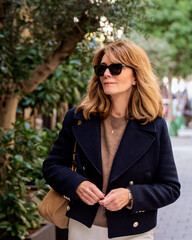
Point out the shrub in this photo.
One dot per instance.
(22, 152)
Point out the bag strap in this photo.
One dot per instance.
(74, 163)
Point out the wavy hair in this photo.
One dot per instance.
(145, 102)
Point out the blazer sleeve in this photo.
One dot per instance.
(56, 169)
(165, 188)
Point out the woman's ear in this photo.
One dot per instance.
(134, 82)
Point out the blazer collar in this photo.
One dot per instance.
(79, 115)
(135, 142)
(149, 127)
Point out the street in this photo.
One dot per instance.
(175, 220)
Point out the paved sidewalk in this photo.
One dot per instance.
(175, 220)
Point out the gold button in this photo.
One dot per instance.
(68, 208)
(67, 198)
(131, 183)
(135, 224)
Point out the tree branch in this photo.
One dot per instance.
(62, 53)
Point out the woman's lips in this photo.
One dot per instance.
(108, 83)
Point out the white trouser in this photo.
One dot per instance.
(78, 231)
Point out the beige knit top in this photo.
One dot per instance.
(112, 130)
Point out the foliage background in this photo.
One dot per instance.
(46, 50)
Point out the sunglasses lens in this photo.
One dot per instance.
(115, 69)
(99, 70)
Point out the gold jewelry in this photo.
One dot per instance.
(116, 125)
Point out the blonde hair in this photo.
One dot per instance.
(145, 102)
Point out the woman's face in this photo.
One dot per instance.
(117, 85)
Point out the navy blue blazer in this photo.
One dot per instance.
(144, 162)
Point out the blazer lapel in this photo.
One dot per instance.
(135, 142)
(89, 138)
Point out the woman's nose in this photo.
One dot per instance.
(107, 72)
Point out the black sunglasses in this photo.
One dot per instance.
(114, 68)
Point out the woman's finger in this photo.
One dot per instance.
(88, 200)
(97, 192)
(89, 193)
(116, 199)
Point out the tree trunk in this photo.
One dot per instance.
(8, 108)
(8, 104)
(179, 97)
(53, 119)
(63, 108)
(170, 112)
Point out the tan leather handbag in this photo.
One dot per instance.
(54, 206)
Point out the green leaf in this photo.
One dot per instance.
(27, 125)
(4, 224)
(23, 187)
(2, 215)
(40, 183)
(48, 97)
(27, 165)
(19, 158)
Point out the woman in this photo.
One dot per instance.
(125, 165)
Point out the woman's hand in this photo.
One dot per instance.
(89, 193)
(116, 199)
